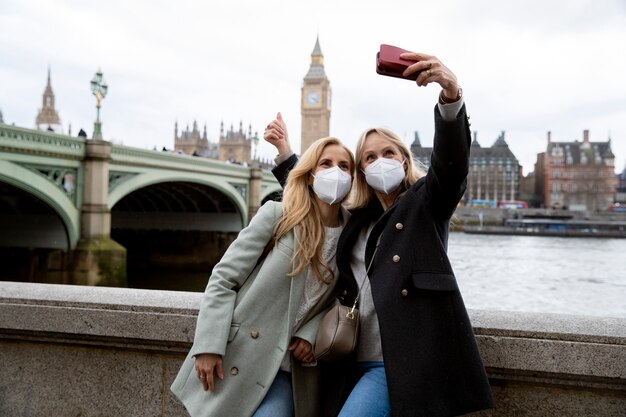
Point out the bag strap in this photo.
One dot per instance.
(268, 248)
(350, 313)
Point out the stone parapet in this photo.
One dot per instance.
(99, 351)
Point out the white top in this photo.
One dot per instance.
(369, 348)
(314, 289)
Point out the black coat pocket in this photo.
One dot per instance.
(437, 281)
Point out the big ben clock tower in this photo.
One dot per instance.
(315, 103)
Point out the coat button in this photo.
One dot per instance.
(399, 226)
(254, 334)
(405, 292)
(234, 371)
(396, 258)
(345, 292)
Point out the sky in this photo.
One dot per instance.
(526, 68)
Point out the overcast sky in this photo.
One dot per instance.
(526, 67)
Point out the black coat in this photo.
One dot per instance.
(432, 361)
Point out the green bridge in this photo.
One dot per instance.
(64, 195)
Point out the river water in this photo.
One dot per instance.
(583, 276)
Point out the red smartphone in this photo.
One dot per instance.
(388, 62)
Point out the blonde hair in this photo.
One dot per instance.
(300, 209)
(362, 193)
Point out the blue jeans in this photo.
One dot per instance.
(278, 401)
(369, 397)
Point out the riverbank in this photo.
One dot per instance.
(539, 222)
(533, 231)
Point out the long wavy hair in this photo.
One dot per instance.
(301, 210)
(362, 193)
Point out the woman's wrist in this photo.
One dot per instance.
(284, 149)
(451, 95)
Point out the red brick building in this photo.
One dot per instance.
(578, 175)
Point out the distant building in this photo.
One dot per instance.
(315, 101)
(1, 117)
(48, 118)
(578, 175)
(494, 172)
(528, 191)
(236, 146)
(539, 176)
(620, 195)
(191, 142)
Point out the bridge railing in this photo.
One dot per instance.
(30, 141)
(116, 352)
(168, 160)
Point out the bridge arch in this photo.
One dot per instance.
(47, 192)
(150, 178)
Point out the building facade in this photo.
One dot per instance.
(579, 175)
(236, 146)
(494, 172)
(620, 196)
(316, 101)
(191, 142)
(48, 117)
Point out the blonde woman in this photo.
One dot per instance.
(417, 354)
(252, 351)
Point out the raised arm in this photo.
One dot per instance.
(276, 134)
(446, 179)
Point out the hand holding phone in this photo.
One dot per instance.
(388, 62)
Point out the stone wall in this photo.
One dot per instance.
(95, 351)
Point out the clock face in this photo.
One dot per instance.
(312, 98)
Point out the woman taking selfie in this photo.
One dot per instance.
(259, 316)
(417, 355)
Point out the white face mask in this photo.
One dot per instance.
(331, 185)
(384, 174)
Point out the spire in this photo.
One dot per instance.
(317, 51)
(204, 136)
(1, 118)
(48, 118)
(176, 130)
(416, 140)
(500, 141)
(475, 140)
(316, 70)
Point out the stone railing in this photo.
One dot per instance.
(94, 351)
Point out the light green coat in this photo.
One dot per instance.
(247, 316)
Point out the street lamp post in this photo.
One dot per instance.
(255, 140)
(99, 89)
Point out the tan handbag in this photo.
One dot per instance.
(338, 333)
